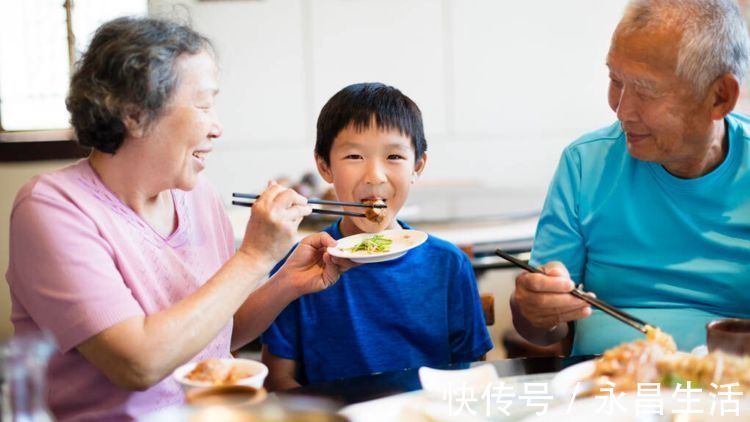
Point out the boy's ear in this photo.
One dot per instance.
(419, 167)
(323, 169)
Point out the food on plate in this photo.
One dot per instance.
(371, 245)
(630, 363)
(376, 215)
(218, 372)
(716, 367)
(655, 359)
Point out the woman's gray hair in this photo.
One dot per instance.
(128, 70)
(714, 39)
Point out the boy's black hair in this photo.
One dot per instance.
(358, 105)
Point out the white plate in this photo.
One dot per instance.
(258, 369)
(563, 384)
(403, 241)
(631, 408)
(407, 407)
(594, 409)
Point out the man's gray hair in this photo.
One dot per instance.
(714, 39)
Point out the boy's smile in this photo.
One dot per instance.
(370, 164)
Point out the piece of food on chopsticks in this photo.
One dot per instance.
(371, 245)
(661, 338)
(376, 215)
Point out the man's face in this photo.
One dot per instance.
(371, 164)
(663, 119)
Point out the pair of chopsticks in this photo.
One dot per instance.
(604, 306)
(316, 202)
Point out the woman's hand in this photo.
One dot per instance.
(272, 228)
(310, 268)
(544, 299)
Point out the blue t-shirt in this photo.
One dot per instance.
(673, 252)
(422, 309)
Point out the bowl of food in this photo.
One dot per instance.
(226, 395)
(220, 372)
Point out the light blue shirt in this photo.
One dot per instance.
(673, 252)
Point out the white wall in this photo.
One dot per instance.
(503, 85)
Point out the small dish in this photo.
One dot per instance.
(730, 335)
(403, 241)
(226, 395)
(257, 370)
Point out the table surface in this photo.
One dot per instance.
(359, 389)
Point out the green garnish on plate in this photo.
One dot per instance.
(371, 245)
(671, 380)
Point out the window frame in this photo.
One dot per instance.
(38, 145)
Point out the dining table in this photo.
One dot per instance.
(533, 389)
(369, 387)
(390, 396)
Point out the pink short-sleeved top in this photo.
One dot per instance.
(82, 261)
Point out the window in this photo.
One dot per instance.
(38, 40)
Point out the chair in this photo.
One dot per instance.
(488, 308)
(518, 347)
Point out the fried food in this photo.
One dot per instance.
(661, 338)
(376, 215)
(631, 363)
(655, 359)
(715, 368)
(218, 372)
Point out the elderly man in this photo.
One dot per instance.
(652, 213)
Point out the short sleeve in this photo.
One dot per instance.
(558, 235)
(468, 335)
(282, 337)
(63, 273)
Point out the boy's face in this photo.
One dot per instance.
(371, 164)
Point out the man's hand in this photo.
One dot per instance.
(310, 268)
(544, 299)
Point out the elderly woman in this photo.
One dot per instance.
(127, 257)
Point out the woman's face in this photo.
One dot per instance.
(181, 138)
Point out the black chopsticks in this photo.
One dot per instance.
(316, 202)
(315, 210)
(605, 307)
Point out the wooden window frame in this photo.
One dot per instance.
(38, 145)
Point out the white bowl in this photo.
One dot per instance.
(259, 370)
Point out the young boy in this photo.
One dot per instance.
(422, 309)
